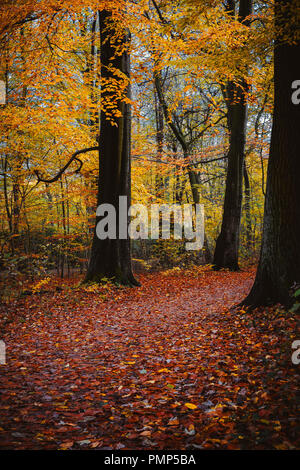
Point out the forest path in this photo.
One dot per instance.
(163, 366)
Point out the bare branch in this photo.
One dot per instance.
(61, 172)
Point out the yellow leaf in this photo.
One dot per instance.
(191, 406)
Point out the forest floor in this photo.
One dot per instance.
(164, 366)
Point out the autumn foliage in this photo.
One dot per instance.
(178, 362)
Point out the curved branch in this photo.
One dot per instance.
(74, 157)
(80, 165)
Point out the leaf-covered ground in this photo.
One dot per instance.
(165, 366)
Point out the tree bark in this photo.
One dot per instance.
(227, 245)
(247, 208)
(159, 117)
(279, 264)
(112, 258)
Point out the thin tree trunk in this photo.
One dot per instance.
(63, 254)
(159, 183)
(247, 208)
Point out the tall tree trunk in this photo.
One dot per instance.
(279, 264)
(247, 207)
(112, 258)
(159, 117)
(64, 242)
(227, 246)
(16, 207)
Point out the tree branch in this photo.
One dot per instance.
(74, 157)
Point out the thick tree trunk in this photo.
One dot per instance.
(227, 245)
(279, 264)
(112, 258)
